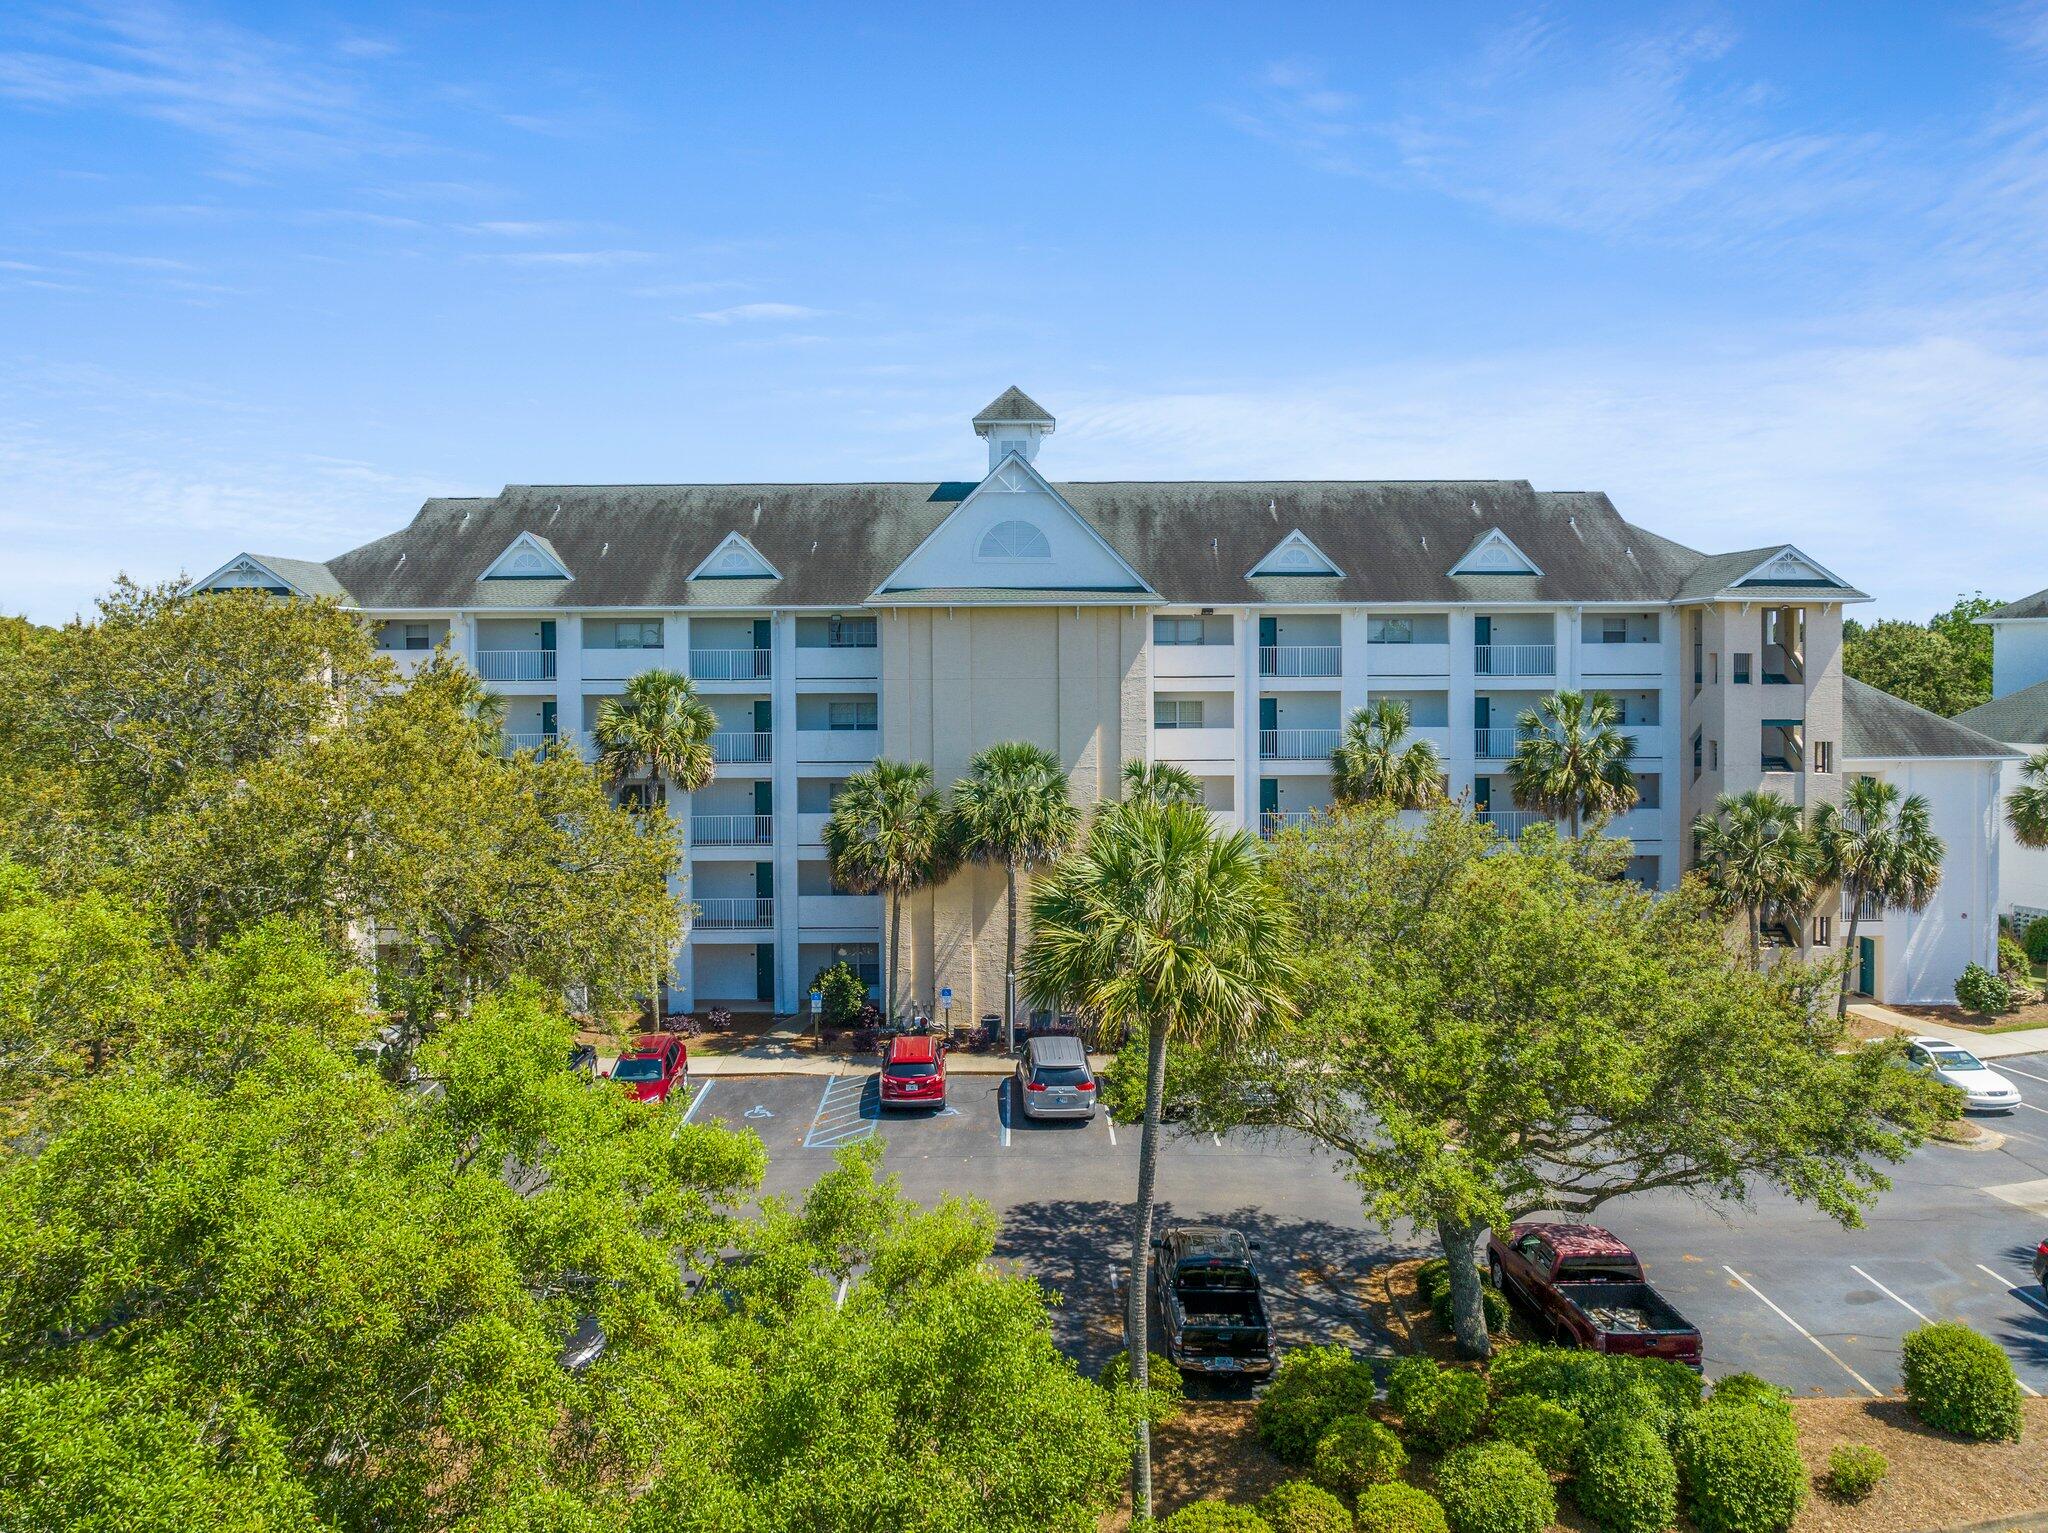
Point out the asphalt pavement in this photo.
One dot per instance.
(1778, 1289)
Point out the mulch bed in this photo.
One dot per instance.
(2035, 1015)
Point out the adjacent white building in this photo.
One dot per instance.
(2017, 716)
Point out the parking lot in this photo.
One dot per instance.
(1776, 1288)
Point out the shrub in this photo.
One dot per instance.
(1546, 1431)
(1169, 1389)
(1854, 1471)
(1960, 1382)
(1740, 1469)
(1299, 1507)
(1400, 1509)
(1434, 1280)
(1980, 990)
(842, 992)
(1356, 1451)
(1495, 1488)
(2012, 961)
(1439, 1407)
(1311, 1388)
(2035, 939)
(1595, 1384)
(1215, 1517)
(1748, 1389)
(1626, 1482)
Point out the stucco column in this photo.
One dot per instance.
(783, 778)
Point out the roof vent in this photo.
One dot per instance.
(1273, 510)
(1475, 509)
(401, 560)
(1573, 522)
(605, 550)
(1425, 542)
(463, 523)
(757, 513)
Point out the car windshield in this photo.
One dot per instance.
(1956, 1059)
(912, 1069)
(637, 1070)
(1061, 1075)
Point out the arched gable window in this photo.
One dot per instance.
(1013, 540)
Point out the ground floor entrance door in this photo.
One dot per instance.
(764, 971)
(1866, 965)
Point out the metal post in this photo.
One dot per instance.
(1010, 1013)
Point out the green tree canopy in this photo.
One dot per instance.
(1573, 759)
(1759, 858)
(1943, 665)
(1879, 847)
(1375, 762)
(889, 831)
(1162, 782)
(1486, 1032)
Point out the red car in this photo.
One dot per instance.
(654, 1067)
(1585, 1288)
(914, 1072)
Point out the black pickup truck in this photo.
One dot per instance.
(1212, 1317)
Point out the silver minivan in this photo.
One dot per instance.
(1053, 1079)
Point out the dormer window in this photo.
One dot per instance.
(1013, 539)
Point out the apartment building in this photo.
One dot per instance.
(1227, 627)
(2017, 717)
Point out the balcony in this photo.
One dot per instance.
(810, 828)
(1176, 660)
(734, 915)
(832, 661)
(731, 664)
(1274, 821)
(841, 911)
(1514, 659)
(516, 664)
(737, 747)
(1219, 745)
(1863, 914)
(827, 747)
(542, 740)
(1497, 744)
(1296, 744)
(1300, 660)
(1512, 822)
(732, 829)
(1403, 657)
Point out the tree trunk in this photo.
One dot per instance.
(1849, 947)
(1010, 959)
(1468, 1309)
(1756, 936)
(1138, 1311)
(895, 940)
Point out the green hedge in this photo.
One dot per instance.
(1748, 1389)
(1215, 1517)
(1626, 1482)
(1854, 1471)
(1495, 1488)
(1311, 1388)
(1960, 1382)
(1169, 1390)
(1438, 1407)
(1400, 1509)
(1740, 1470)
(2035, 940)
(1596, 1384)
(1546, 1431)
(1299, 1507)
(1356, 1451)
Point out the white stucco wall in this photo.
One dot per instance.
(2022, 870)
(2019, 655)
(1920, 955)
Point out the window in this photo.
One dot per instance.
(1697, 737)
(1013, 540)
(1714, 754)
(1714, 669)
(1391, 630)
(1176, 713)
(850, 713)
(1649, 790)
(628, 633)
(1823, 931)
(1643, 871)
(1177, 630)
(1614, 630)
(1699, 648)
(1742, 670)
(851, 633)
(416, 636)
(1824, 755)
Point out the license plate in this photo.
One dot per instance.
(1224, 1364)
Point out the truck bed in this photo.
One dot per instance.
(1625, 1310)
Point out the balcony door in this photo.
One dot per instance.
(764, 971)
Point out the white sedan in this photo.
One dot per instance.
(1981, 1086)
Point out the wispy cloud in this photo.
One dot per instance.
(1293, 106)
(750, 313)
(568, 257)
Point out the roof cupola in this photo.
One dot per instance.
(1012, 422)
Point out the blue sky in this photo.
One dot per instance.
(270, 275)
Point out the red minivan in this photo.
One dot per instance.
(653, 1067)
(914, 1072)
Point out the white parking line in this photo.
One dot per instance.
(1875, 1392)
(697, 1101)
(1216, 1139)
(2030, 1107)
(1110, 1124)
(1004, 1096)
(841, 1118)
(2024, 1298)
(2002, 1066)
(1874, 1283)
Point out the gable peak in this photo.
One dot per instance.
(527, 557)
(1493, 552)
(1295, 554)
(735, 559)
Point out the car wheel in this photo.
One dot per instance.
(1493, 1272)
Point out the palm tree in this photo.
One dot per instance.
(1572, 759)
(1162, 783)
(1754, 850)
(1877, 846)
(2026, 811)
(1012, 807)
(658, 729)
(888, 832)
(1371, 766)
(1164, 926)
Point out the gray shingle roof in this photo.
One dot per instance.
(307, 575)
(2027, 606)
(1013, 407)
(2018, 718)
(1878, 726)
(1396, 541)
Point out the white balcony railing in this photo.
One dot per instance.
(1870, 910)
(1511, 822)
(1300, 660)
(731, 664)
(529, 739)
(734, 915)
(731, 746)
(1273, 821)
(1296, 744)
(1497, 744)
(732, 829)
(516, 664)
(1514, 659)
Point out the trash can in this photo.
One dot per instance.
(992, 1026)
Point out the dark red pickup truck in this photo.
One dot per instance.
(1586, 1289)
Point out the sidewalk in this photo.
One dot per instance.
(2030, 1040)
